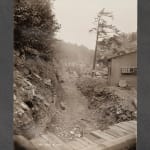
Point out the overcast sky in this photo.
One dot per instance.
(76, 17)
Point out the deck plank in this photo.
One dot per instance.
(88, 141)
(115, 137)
(125, 127)
(76, 145)
(103, 135)
(118, 130)
(112, 132)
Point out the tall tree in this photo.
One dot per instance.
(103, 30)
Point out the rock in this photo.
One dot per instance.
(124, 117)
(28, 83)
(38, 96)
(26, 71)
(24, 106)
(123, 83)
(37, 76)
(48, 82)
(33, 92)
(62, 105)
(46, 104)
(135, 103)
(14, 85)
(15, 98)
(72, 132)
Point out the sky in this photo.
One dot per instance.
(76, 18)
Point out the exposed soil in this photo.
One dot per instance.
(77, 119)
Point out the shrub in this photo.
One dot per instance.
(34, 25)
(88, 85)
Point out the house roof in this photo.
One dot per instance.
(113, 57)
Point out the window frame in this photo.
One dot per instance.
(128, 70)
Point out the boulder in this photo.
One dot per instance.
(123, 83)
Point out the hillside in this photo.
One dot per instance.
(73, 52)
(74, 58)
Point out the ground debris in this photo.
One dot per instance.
(111, 104)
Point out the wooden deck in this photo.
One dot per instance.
(116, 137)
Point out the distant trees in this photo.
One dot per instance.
(122, 42)
(34, 26)
(73, 53)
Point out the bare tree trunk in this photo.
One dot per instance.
(94, 60)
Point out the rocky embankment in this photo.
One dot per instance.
(37, 93)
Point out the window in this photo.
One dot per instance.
(128, 70)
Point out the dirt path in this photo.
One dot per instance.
(76, 120)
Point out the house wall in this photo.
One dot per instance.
(117, 63)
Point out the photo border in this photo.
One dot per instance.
(143, 92)
(6, 75)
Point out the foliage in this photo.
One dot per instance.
(34, 25)
(110, 41)
(102, 27)
(117, 45)
(73, 53)
(88, 85)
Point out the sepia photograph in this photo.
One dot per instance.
(75, 75)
